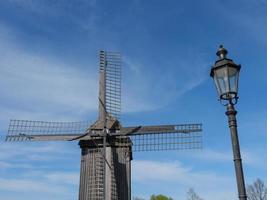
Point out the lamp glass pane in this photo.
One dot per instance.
(221, 76)
(233, 80)
(219, 91)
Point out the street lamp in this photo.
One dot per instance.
(225, 74)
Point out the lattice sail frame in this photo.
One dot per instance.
(25, 130)
(111, 64)
(164, 137)
(166, 141)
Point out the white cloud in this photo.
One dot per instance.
(32, 83)
(30, 170)
(9, 165)
(212, 155)
(248, 23)
(152, 89)
(23, 154)
(174, 174)
(74, 11)
(145, 170)
(35, 189)
(254, 158)
(35, 78)
(29, 185)
(63, 177)
(4, 165)
(251, 157)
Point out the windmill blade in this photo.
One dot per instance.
(141, 130)
(166, 141)
(25, 130)
(165, 137)
(113, 65)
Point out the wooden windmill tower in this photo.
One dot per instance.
(107, 146)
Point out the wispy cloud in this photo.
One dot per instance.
(150, 91)
(36, 151)
(247, 21)
(42, 87)
(42, 169)
(251, 157)
(174, 174)
(63, 177)
(146, 170)
(212, 155)
(33, 78)
(149, 171)
(29, 185)
(254, 158)
(9, 165)
(32, 83)
(80, 13)
(4, 165)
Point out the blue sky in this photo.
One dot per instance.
(49, 71)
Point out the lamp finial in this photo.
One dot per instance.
(222, 52)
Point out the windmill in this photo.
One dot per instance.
(107, 146)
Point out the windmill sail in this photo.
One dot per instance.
(26, 130)
(162, 137)
(110, 65)
(166, 141)
(109, 90)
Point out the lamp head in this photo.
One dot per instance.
(225, 74)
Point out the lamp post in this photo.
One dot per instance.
(225, 74)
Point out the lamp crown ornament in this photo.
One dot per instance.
(222, 52)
